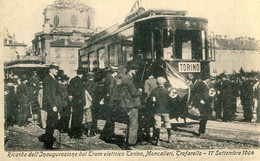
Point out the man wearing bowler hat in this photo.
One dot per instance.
(51, 104)
(76, 92)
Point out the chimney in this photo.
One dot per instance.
(14, 37)
(65, 42)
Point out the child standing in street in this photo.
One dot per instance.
(160, 97)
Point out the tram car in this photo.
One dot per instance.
(28, 69)
(162, 42)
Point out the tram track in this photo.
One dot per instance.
(71, 147)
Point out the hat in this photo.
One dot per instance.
(54, 66)
(15, 77)
(205, 76)
(212, 78)
(65, 77)
(114, 68)
(160, 80)
(223, 75)
(133, 67)
(81, 70)
(23, 77)
(90, 73)
(173, 90)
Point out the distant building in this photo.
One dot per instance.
(13, 50)
(67, 24)
(234, 54)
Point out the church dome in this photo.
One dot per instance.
(69, 16)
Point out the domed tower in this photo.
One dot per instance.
(69, 16)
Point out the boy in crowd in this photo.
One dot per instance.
(160, 97)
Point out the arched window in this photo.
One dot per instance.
(56, 21)
(88, 23)
(74, 20)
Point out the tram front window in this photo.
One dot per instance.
(178, 44)
(188, 44)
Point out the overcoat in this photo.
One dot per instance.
(201, 93)
(51, 96)
(130, 96)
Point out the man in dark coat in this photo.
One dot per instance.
(10, 103)
(130, 101)
(34, 80)
(202, 101)
(146, 113)
(93, 89)
(257, 95)
(234, 95)
(23, 95)
(51, 104)
(76, 93)
(246, 97)
(65, 108)
(111, 103)
(217, 103)
(226, 97)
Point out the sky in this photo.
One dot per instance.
(226, 17)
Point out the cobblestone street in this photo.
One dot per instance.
(219, 135)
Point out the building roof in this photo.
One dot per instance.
(15, 44)
(76, 4)
(60, 33)
(66, 43)
(236, 44)
(27, 66)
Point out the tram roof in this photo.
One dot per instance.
(147, 15)
(27, 66)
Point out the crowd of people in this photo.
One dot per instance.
(231, 89)
(73, 107)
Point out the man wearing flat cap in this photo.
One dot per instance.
(130, 101)
(111, 102)
(51, 104)
(76, 92)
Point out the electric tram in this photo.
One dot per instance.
(158, 41)
(152, 38)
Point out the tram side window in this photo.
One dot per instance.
(143, 43)
(127, 50)
(167, 44)
(163, 42)
(127, 54)
(113, 55)
(84, 61)
(102, 59)
(158, 50)
(92, 61)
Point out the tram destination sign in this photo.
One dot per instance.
(191, 67)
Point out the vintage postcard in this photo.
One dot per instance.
(132, 79)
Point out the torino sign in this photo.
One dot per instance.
(191, 67)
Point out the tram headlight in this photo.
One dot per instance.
(187, 24)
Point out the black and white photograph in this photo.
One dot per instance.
(130, 79)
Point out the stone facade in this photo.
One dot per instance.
(234, 54)
(13, 50)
